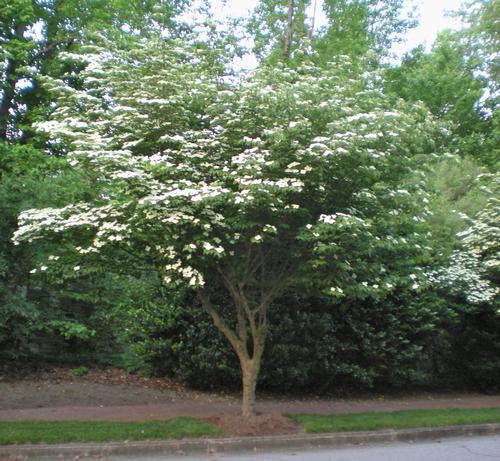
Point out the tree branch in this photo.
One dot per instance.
(221, 324)
(238, 305)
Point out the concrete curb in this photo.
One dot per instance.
(241, 444)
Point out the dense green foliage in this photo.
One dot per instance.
(449, 82)
(43, 317)
(376, 191)
(46, 317)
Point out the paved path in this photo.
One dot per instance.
(231, 406)
(460, 449)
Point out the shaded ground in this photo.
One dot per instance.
(59, 387)
(56, 394)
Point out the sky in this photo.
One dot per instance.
(433, 19)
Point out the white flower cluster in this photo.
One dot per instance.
(33, 223)
(254, 157)
(270, 229)
(336, 292)
(282, 183)
(295, 168)
(328, 219)
(341, 219)
(111, 232)
(193, 277)
(164, 194)
(213, 249)
(465, 277)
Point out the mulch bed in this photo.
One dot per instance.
(259, 425)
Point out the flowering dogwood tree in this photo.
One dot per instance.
(255, 184)
(474, 268)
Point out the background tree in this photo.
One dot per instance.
(33, 32)
(474, 270)
(358, 26)
(459, 188)
(449, 82)
(469, 281)
(29, 307)
(458, 81)
(278, 26)
(482, 36)
(354, 27)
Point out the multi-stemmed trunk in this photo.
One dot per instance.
(251, 324)
(253, 286)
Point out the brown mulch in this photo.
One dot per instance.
(259, 425)
(105, 375)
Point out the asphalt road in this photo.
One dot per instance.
(458, 449)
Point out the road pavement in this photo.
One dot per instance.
(485, 448)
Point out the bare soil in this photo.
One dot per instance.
(110, 394)
(261, 424)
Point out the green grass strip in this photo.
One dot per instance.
(314, 423)
(16, 432)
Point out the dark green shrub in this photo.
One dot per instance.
(477, 349)
(310, 345)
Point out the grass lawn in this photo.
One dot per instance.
(12, 432)
(395, 420)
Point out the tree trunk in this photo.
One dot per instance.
(288, 32)
(250, 372)
(249, 379)
(9, 87)
(311, 30)
(7, 97)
